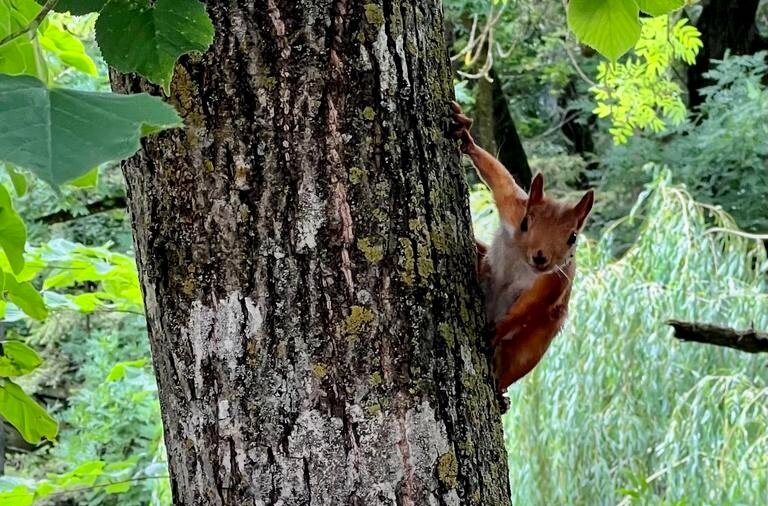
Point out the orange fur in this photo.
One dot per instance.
(527, 271)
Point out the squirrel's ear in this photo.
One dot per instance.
(536, 193)
(584, 206)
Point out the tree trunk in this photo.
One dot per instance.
(724, 24)
(494, 129)
(579, 135)
(306, 257)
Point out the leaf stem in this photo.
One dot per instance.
(48, 7)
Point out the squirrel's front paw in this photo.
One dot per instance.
(460, 128)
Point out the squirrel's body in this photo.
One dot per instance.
(528, 269)
(501, 289)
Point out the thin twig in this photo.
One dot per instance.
(746, 235)
(48, 7)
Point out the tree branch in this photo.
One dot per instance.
(101, 206)
(743, 340)
(48, 7)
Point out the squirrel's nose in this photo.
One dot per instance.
(539, 259)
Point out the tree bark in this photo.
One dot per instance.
(305, 252)
(724, 24)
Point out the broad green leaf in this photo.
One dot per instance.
(16, 359)
(148, 38)
(20, 56)
(74, 130)
(26, 297)
(659, 7)
(26, 415)
(610, 26)
(87, 180)
(55, 39)
(78, 7)
(13, 233)
(19, 496)
(18, 179)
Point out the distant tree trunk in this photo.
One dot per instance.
(724, 24)
(306, 257)
(495, 129)
(578, 134)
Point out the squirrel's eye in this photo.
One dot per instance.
(524, 225)
(572, 239)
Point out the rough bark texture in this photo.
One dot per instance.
(306, 257)
(724, 24)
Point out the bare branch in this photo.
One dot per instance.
(750, 341)
(101, 206)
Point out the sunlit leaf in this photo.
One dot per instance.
(118, 370)
(20, 56)
(16, 359)
(118, 488)
(610, 26)
(25, 296)
(18, 179)
(87, 180)
(18, 496)
(55, 39)
(26, 415)
(13, 232)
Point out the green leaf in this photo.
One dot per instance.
(68, 48)
(26, 297)
(74, 130)
(13, 233)
(16, 359)
(86, 302)
(610, 26)
(85, 474)
(27, 416)
(87, 180)
(79, 7)
(118, 488)
(18, 496)
(118, 370)
(659, 7)
(18, 179)
(146, 38)
(20, 55)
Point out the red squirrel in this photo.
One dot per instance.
(527, 271)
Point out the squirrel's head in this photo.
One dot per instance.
(546, 235)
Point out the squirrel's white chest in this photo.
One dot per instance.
(510, 275)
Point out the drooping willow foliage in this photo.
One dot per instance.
(619, 412)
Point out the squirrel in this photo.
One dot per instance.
(527, 271)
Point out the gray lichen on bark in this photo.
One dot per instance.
(306, 257)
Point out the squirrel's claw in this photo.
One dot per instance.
(460, 127)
